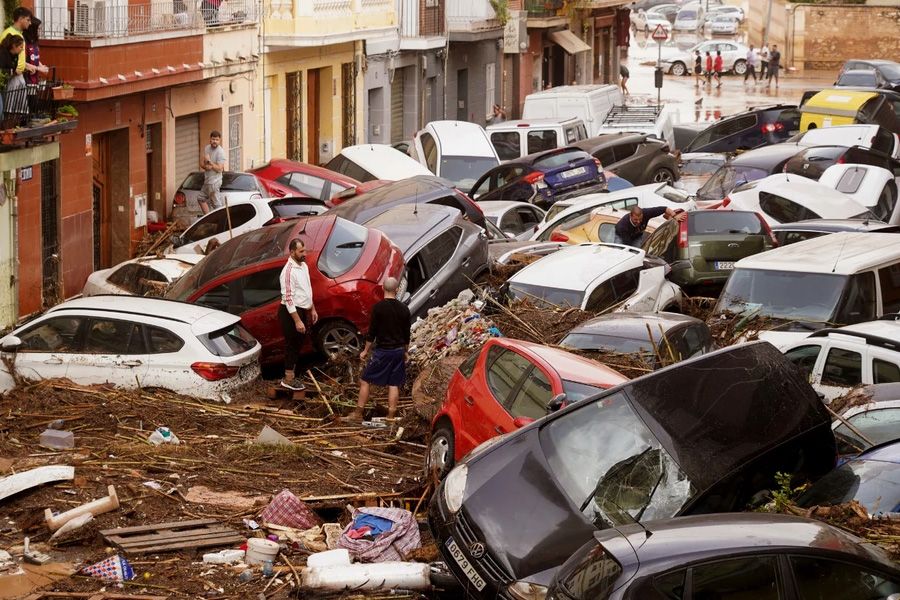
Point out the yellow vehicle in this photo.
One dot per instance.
(593, 227)
(837, 106)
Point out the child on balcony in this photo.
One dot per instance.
(33, 53)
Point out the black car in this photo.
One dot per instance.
(421, 189)
(791, 233)
(746, 167)
(869, 78)
(746, 555)
(812, 162)
(636, 157)
(702, 436)
(747, 130)
(888, 70)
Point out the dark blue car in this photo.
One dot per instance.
(542, 178)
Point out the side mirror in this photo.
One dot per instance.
(11, 343)
(520, 422)
(557, 402)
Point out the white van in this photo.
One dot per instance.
(458, 151)
(368, 162)
(515, 139)
(590, 103)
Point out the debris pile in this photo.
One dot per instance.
(456, 327)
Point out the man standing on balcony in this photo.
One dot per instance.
(213, 165)
(21, 20)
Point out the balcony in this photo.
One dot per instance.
(31, 114)
(421, 24)
(543, 9)
(471, 16)
(303, 23)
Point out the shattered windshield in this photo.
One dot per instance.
(726, 179)
(611, 466)
(790, 295)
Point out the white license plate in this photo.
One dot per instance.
(573, 173)
(723, 265)
(464, 564)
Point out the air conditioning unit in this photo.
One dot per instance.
(90, 17)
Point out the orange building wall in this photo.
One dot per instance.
(30, 241)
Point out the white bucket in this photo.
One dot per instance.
(260, 550)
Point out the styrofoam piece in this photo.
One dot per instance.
(329, 558)
(365, 576)
(224, 557)
(28, 479)
(57, 439)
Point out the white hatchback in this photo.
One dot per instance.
(132, 342)
(140, 276)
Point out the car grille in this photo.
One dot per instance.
(465, 535)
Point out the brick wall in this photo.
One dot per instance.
(824, 36)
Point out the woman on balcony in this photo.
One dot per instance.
(33, 53)
(14, 102)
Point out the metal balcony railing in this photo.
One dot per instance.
(543, 8)
(421, 18)
(29, 112)
(118, 18)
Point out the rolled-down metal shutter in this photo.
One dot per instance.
(187, 146)
(397, 107)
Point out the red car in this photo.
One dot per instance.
(504, 386)
(347, 265)
(282, 177)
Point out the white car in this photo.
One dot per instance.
(734, 57)
(140, 276)
(132, 342)
(598, 278)
(689, 18)
(368, 162)
(784, 198)
(458, 151)
(723, 25)
(236, 186)
(647, 21)
(873, 187)
(732, 11)
(517, 220)
(841, 358)
(874, 411)
(866, 136)
(567, 214)
(228, 222)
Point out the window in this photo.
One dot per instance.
(218, 222)
(288, 208)
(261, 287)
(723, 130)
(490, 83)
(843, 368)
(887, 199)
(601, 298)
(235, 134)
(228, 341)
(163, 341)
(308, 185)
(885, 372)
(784, 210)
(533, 396)
(505, 370)
(530, 217)
(605, 156)
(506, 143)
(511, 222)
(751, 577)
(851, 180)
(53, 335)
(878, 426)
(540, 140)
(657, 243)
(714, 222)
(571, 135)
(342, 249)
(429, 148)
(792, 237)
(439, 250)
(883, 142)
(111, 336)
(340, 164)
(804, 357)
(820, 578)
(889, 278)
(623, 151)
(857, 300)
(134, 277)
(561, 159)
(468, 365)
(225, 297)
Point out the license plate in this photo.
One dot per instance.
(573, 173)
(724, 265)
(464, 564)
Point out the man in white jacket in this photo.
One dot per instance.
(297, 313)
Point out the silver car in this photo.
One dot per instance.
(723, 25)
(517, 220)
(235, 186)
(734, 57)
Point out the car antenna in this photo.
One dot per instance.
(840, 252)
(416, 203)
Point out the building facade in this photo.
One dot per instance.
(475, 63)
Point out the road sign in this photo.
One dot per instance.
(660, 34)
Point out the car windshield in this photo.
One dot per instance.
(783, 294)
(716, 222)
(239, 182)
(464, 171)
(700, 167)
(229, 341)
(576, 392)
(875, 484)
(611, 466)
(607, 343)
(890, 70)
(547, 295)
(343, 248)
(726, 179)
(866, 79)
(560, 159)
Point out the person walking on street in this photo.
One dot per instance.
(389, 333)
(623, 73)
(774, 66)
(698, 68)
(717, 68)
(751, 64)
(630, 228)
(709, 68)
(297, 313)
(763, 62)
(213, 165)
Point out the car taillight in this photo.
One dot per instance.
(725, 202)
(772, 127)
(767, 229)
(599, 167)
(558, 236)
(682, 234)
(274, 221)
(841, 160)
(534, 177)
(180, 200)
(214, 371)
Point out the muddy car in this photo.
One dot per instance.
(678, 441)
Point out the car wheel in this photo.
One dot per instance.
(678, 69)
(337, 338)
(664, 176)
(440, 451)
(740, 67)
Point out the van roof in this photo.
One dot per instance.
(574, 90)
(842, 253)
(545, 121)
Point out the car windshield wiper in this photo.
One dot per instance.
(635, 459)
(659, 479)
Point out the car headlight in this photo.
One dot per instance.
(455, 488)
(522, 590)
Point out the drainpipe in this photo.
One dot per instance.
(765, 39)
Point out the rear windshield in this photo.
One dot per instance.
(231, 182)
(726, 179)
(866, 79)
(700, 167)
(343, 248)
(607, 343)
(548, 295)
(464, 171)
(229, 341)
(709, 222)
(561, 159)
(295, 208)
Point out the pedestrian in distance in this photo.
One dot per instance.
(297, 313)
(709, 68)
(698, 68)
(717, 68)
(774, 66)
(498, 115)
(752, 57)
(763, 62)
(624, 75)
(389, 334)
(213, 165)
(630, 230)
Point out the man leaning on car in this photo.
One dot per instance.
(630, 228)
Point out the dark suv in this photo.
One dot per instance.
(747, 130)
(812, 162)
(633, 156)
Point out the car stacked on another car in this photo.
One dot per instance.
(798, 231)
(744, 168)
(145, 276)
(638, 158)
(283, 177)
(235, 187)
(753, 128)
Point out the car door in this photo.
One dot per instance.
(485, 412)
(48, 346)
(113, 351)
(820, 576)
(166, 366)
(841, 370)
(443, 280)
(529, 402)
(510, 185)
(807, 359)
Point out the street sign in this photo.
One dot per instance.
(660, 34)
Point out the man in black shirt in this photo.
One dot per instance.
(630, 228)
(389, 331)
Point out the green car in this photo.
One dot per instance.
(703, 248)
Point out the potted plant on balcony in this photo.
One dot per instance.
(65, 113)
(63, 92)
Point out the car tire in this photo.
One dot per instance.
(339, 337)
(440, 451)
(678, 69)
(663, 175)
(740, 67)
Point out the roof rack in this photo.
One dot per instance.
(872, 340)
(889, 317)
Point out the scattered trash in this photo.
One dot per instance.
(329, 558)
(200, 494)
(251, 524)
(26, 480)
(34, 556)
(163, 435)
(380, 534)
(57, 440)
(307, 540)
(333, 532)
(7, 562)
(246, 576)
(453, 328)
(385, 575)
(71, 525)
(169, 537)
(267, 568)
(288, 510)
(97, 507)
(224, 557)
(260, 551)
(114, 568)
(270, 436)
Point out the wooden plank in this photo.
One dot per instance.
(164, 535)
(174, 525)
(220, 541)
(129, 544)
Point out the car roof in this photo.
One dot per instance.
(160, 308)
(417, 189)
(843, 253)
(524, 123)
(767, 156)
(884, 333)
(577, 267)
(887, 452)
(456, 138)
(634, 325)
(384, 162)
(406, 224)
(495, 208)
(831, 225)
(824, 200)
(608, 139)
(570, 366)
(170, 265)
(301, 167)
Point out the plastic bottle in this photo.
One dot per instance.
(163, 435)
(267, 570)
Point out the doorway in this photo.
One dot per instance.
(153, 145)
(313, 84)
(462, 95)
(111, 199)
(50, 233)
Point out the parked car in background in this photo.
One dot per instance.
(689, 18)
(542, 178)
(647, 21)
(626, 455)
(368, 162)
(702, 249)
(599, 225)
(517, 220)
(744, 168)
(660, 338)
(444, 253)
(889, 70)
(597, 278)
(722, 25)
(869, 78)
(282, 177)
(637, 157)
(144, 276)
(348, 264)
(798, 231)
(866, 136)
(506, 385)
(235, 187)
(132, 342)
(457, 151)
(668, 11)
(697, 167)
(420, 189)
(517, 139)
(681, 62)
(588, 103)
(747, 130)
(735, 12)
(750, 552)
